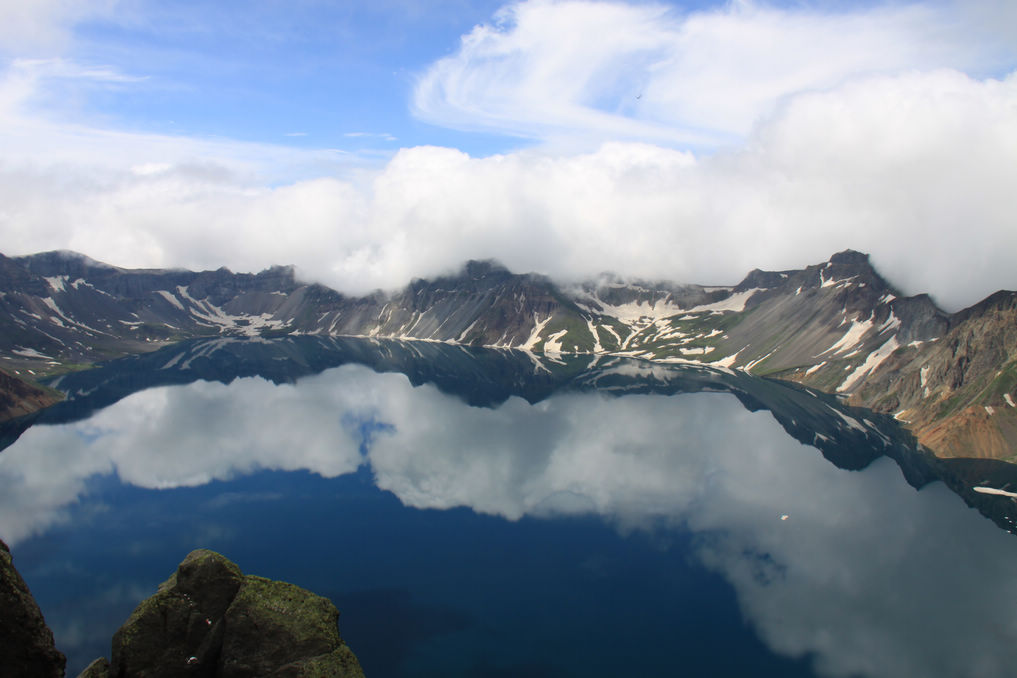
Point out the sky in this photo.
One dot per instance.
(371, 143)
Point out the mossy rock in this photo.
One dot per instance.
(303, 628)
(178, 631)
(209, 619)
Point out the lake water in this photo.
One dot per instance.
(489, 513)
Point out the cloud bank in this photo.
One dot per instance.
(915, 169)
(761, 137)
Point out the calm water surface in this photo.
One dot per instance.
(604, 520)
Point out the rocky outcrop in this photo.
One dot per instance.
(209, 619)
(18, 397)
(26, 643)
(957, 392)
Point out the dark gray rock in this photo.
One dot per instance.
(26, 643)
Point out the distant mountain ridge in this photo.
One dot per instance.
(837, 326)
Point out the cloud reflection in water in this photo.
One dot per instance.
(866, 574)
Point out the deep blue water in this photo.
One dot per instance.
(422, 592)
(591, 532)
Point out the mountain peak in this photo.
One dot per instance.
(852, 264)
(851, 258)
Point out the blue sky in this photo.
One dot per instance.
(368, 143)
(335, 75)
(303, 74)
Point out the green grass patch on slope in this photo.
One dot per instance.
(577, 338)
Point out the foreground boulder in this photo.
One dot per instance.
(209, 619)
(26, 643)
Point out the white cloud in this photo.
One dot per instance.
(547, 69)
(913, 167)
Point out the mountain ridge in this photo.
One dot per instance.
(837, 326)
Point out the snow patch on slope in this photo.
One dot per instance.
(597, 348)
(736, 302)
(874, 360)
(852, 337)
(834, 281)
(993, 490)
(553, 342)
(727, 362)
(207, 313)
(534, 337)
(636, 311)
(29, 353)
(815, 368)
(56, 283)
(171, 299)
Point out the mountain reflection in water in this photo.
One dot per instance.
(853, 570)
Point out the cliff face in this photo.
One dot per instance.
(26, 643)
(957, 392)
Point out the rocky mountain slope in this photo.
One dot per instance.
(18, 397)
(957, 393)
(835, 326)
